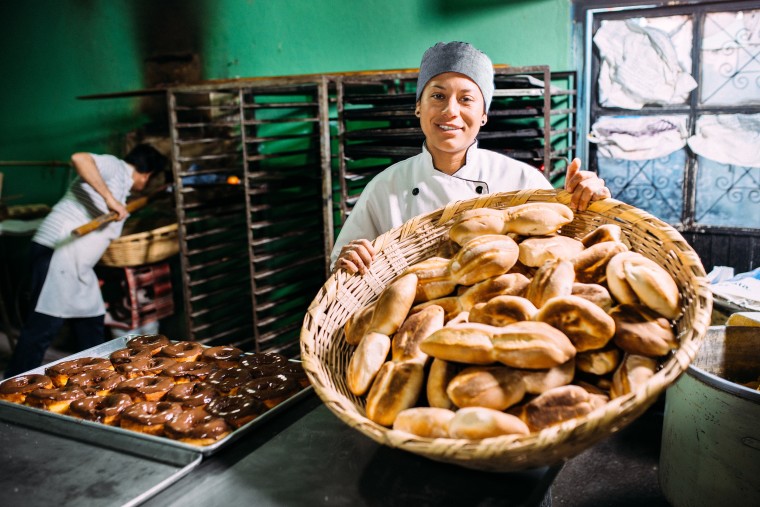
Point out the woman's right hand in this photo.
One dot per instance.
(356, 256)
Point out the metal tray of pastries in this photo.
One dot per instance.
(245, 395)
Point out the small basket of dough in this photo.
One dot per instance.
(145, 247)
(506, 332)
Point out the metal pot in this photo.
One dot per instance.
(710, 452)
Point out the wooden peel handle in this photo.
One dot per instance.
(94, 224)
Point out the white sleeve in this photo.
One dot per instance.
(359, 224)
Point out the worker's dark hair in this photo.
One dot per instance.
(146, 159)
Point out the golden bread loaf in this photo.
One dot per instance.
(591, 264)
(476, 423)
(588, 326)
(558, 405)
(357, 324)
(440, 374)
(536, 250)
(482, 258)
(393, 305)
(634, 371)
(496, 387)
(405, 345)
(396, 387)
(537, 219)
(477, 222)
(639, 330)
(427, 422)
(595, 293)
(433, 278)
(468, 343)
(540, 381)
(502, 310)
(554, 278)
(633, 278)
(598, 362)
(366, 360)
(606, 232)
(531, 345)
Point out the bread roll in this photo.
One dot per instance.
(405, 345)
(433, 279)
(554, 278)
(396, 388)
(463, 343)
(598, 362)
(558, 405)
(588, 326)
(595, 293)
(540, 381)
(634, 371)
(537, 218)
(393, 305)
(531, 345)
(603, 233)
(426, 422)
(496, 387)
(534, 251)
(357, 324)
(476, 222)
(482, 258)
(440, 374)
(476, 423)
(460, 318)
(639, 330)
(591, 264)
(502, 310)
(632, 278)
(366, 361)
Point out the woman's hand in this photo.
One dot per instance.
(356, 256)
(585, 186)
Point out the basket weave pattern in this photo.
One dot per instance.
(326, 355)
(142, 247)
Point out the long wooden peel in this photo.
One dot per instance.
(131, 206)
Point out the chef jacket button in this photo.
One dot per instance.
(415, 191)
(479, 189)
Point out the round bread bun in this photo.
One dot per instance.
(558, 405)
(633, 278)
(588, 326)
(477, 222)
(598, 362)
(554, 278)
(483, 257)
(405, 345)
(534, 251)
(530, 345)
(367, 359)
(440, 374)
(639, 330)
(595, 293)
(603, 233)
(496, 387)
(396, 388)
(477, 423)
(537, 218)
(426, 422)
(634, 371)
(503, 310)
(591, 264)
(540, 381)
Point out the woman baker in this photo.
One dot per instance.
(454, 91)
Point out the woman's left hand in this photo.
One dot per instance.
(585, 186)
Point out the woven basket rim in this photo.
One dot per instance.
(475, 453)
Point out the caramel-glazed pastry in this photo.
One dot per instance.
(591, 264)
(476, 423)
(588, 326)
(496, 387)
(598, 362)
(558, 405)
(554, 278)
(397, 387)
(534, 251)
(503, 310)
(427, 422)
(405, 345)
(16, 389)
(440, 374)
(606, 232)
(531, 345)
(633, 372)
(639, 330)
(482, 258)
(633, 278)
(595, 293)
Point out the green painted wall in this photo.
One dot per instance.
(56, 50)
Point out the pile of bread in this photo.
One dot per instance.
(511, 327)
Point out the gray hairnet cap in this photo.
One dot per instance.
(458, 57)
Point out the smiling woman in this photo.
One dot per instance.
(454, 91)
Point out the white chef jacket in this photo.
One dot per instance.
(414, 186)
(71, 287)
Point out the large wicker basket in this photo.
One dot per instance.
(142, 247)
(326, 355)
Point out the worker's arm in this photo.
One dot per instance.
(88, 171)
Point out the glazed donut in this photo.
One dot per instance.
(237, 410)
(183, 351)
(96, 382)
(149, 416)
(135, 366)
(59, 373)
(152, 342)
(225, 356)
(145, 388)
(125, 355)
(156, 365)
(188, 371)
(272, 390)
(255, 359)
(295, 370)
(195, 426)
(229, 380)
(16, 389)
(56, 399)
(192, 394)
(103, 409)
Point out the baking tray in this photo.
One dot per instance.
(143, 444)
